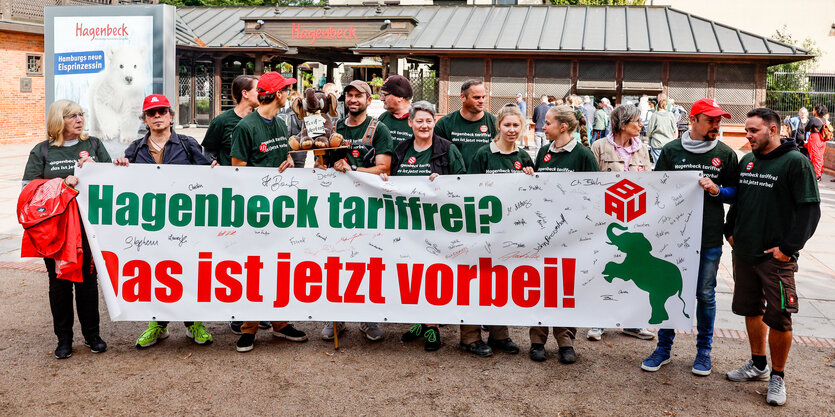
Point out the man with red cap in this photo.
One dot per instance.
(260, 140)
(396, 94)
(699, 149)
(161, 145)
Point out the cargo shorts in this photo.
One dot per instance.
(766, 289)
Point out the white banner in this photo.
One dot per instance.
(185, 243)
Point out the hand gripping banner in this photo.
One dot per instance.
(184, 243)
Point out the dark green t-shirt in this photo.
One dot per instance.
(258, 143)
(417, 163)
(380, 143)
(769, 192)
(399, 128)
(486, 161)
(720, 165)
(468, 136)
(580, 159)
(219, 136)
(61, 160)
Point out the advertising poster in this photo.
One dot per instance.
(569, 249)
(107, 59)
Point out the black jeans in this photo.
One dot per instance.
(86, 298)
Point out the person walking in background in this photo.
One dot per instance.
(66, 141)
(816, 143)
(699, 149)
(523, 106)
(539, 121)
(588, 109)
(599, 124)
(620, 151)
(797, 129)
(662, 128)
(777, 210)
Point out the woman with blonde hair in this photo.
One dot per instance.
(66, 141)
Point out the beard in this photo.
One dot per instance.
(356, 112)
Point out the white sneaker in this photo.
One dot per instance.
(776, 391)
(748, 372)
(327, 331)
(372, 331)
(640, 333)
(595, 334)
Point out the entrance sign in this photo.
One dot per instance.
(213, 244)
(108, 59)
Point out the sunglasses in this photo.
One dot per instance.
(162, 111)
(72, 116)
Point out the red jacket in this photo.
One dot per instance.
(48, 212)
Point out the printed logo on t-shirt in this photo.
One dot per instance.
(262, 147)
(547, 157)
(517, 165)
(355, 153)
(83, 154)
(483, 128)
(791, 299)
(412, 160)
(716, 162)
(750, 166)
(640, 169)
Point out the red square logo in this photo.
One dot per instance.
(626, 201)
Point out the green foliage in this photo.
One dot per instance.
(800, 83)
(244, 2)
(598, 2)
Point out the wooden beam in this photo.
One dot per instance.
(443, 86)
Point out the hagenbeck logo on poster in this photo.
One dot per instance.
(626, 201)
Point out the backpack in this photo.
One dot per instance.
(45, 150)
(826, 131)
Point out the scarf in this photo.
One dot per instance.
(625, 153)
(697, 146)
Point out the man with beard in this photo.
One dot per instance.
(699, 149)
(370, 152)
(471, 127)
(776, 211)
(396, 94)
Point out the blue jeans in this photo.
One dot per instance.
(656, 152)
(705, 302)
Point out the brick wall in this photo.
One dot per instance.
(829, 159)
(21, 114)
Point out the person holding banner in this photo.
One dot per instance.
(260, 140)
(622, 150)
(776, 212)
(425, 153)
(218, 140)
(565, 154)
(370, 152)
(161, 145)
(66, 141)
(699, 149)
(501, 156)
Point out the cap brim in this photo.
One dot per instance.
(717, 112)
(156, 106)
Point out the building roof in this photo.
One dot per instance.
(554, 30)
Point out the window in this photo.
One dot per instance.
(33, 64)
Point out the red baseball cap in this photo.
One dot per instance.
(155, 101)
(709, 108)
(272, 82)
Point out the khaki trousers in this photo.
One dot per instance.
(564, 335)
(251, 327)
(470, 333)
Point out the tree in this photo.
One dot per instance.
(598, 2)
(280, 3)
(787, 86)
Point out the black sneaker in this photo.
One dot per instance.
(96, 345)
(478, 348)
(291, 333)
(64, 349)
(414, 332)
(236, 326)
(433, 339)
(264, 325)
(245, 343)
(537, 352)
(567, 355)
(505, 345)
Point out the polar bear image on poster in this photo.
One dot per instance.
(114, 99)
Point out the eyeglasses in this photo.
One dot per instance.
(162, 111)
(72, 116)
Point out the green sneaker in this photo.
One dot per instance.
(198, 333)
(152, 335)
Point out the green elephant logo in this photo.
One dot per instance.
(659, 278)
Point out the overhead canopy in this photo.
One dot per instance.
(472, 29)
